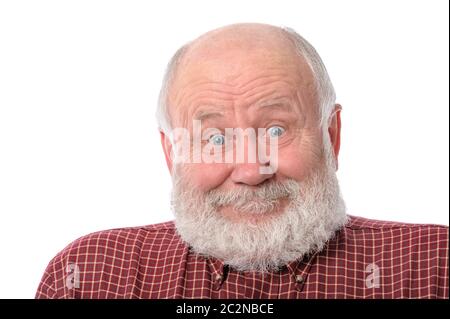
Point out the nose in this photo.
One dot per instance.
(249, 174)
(251, 167)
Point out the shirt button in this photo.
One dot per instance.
(217, 282)
(299, 279)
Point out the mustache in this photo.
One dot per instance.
(250, 200)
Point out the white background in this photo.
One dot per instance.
(79, 148)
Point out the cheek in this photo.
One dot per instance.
(296, 162)
(205, 177)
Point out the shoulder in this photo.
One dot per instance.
(131, 233)
(157, 237)
(399, 260)
(359, 226)
(420, 240)
(150, 235)
(361, 223)
(105, 254)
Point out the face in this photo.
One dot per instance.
(233, 90)
(253, 220)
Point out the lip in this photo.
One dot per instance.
(253, 218)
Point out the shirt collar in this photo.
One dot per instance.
(298, 269)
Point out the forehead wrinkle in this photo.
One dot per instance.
(190, 92)
(259, 98)
(211, 74)
(227, 88)
(280, 83)
(250, 89)
(185, 101)
(269, 78)
(281, 87)
(234, 84)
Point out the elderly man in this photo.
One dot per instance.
(251, 134)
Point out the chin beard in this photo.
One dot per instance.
(315, 211)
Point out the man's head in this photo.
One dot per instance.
(263, 79)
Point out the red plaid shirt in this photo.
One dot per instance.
(366, 259)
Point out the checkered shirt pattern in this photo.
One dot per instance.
(366, 259)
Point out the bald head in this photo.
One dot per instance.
(243, 37)
(227, 52)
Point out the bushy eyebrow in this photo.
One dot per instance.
(205, 115)
(278, 104)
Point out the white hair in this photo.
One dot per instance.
(324, 88)
(162, 112)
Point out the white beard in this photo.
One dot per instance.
(315, 211)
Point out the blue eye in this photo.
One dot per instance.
(217, 139)
(275, 131)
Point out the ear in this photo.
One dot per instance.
(334, 130)
(167, 148)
